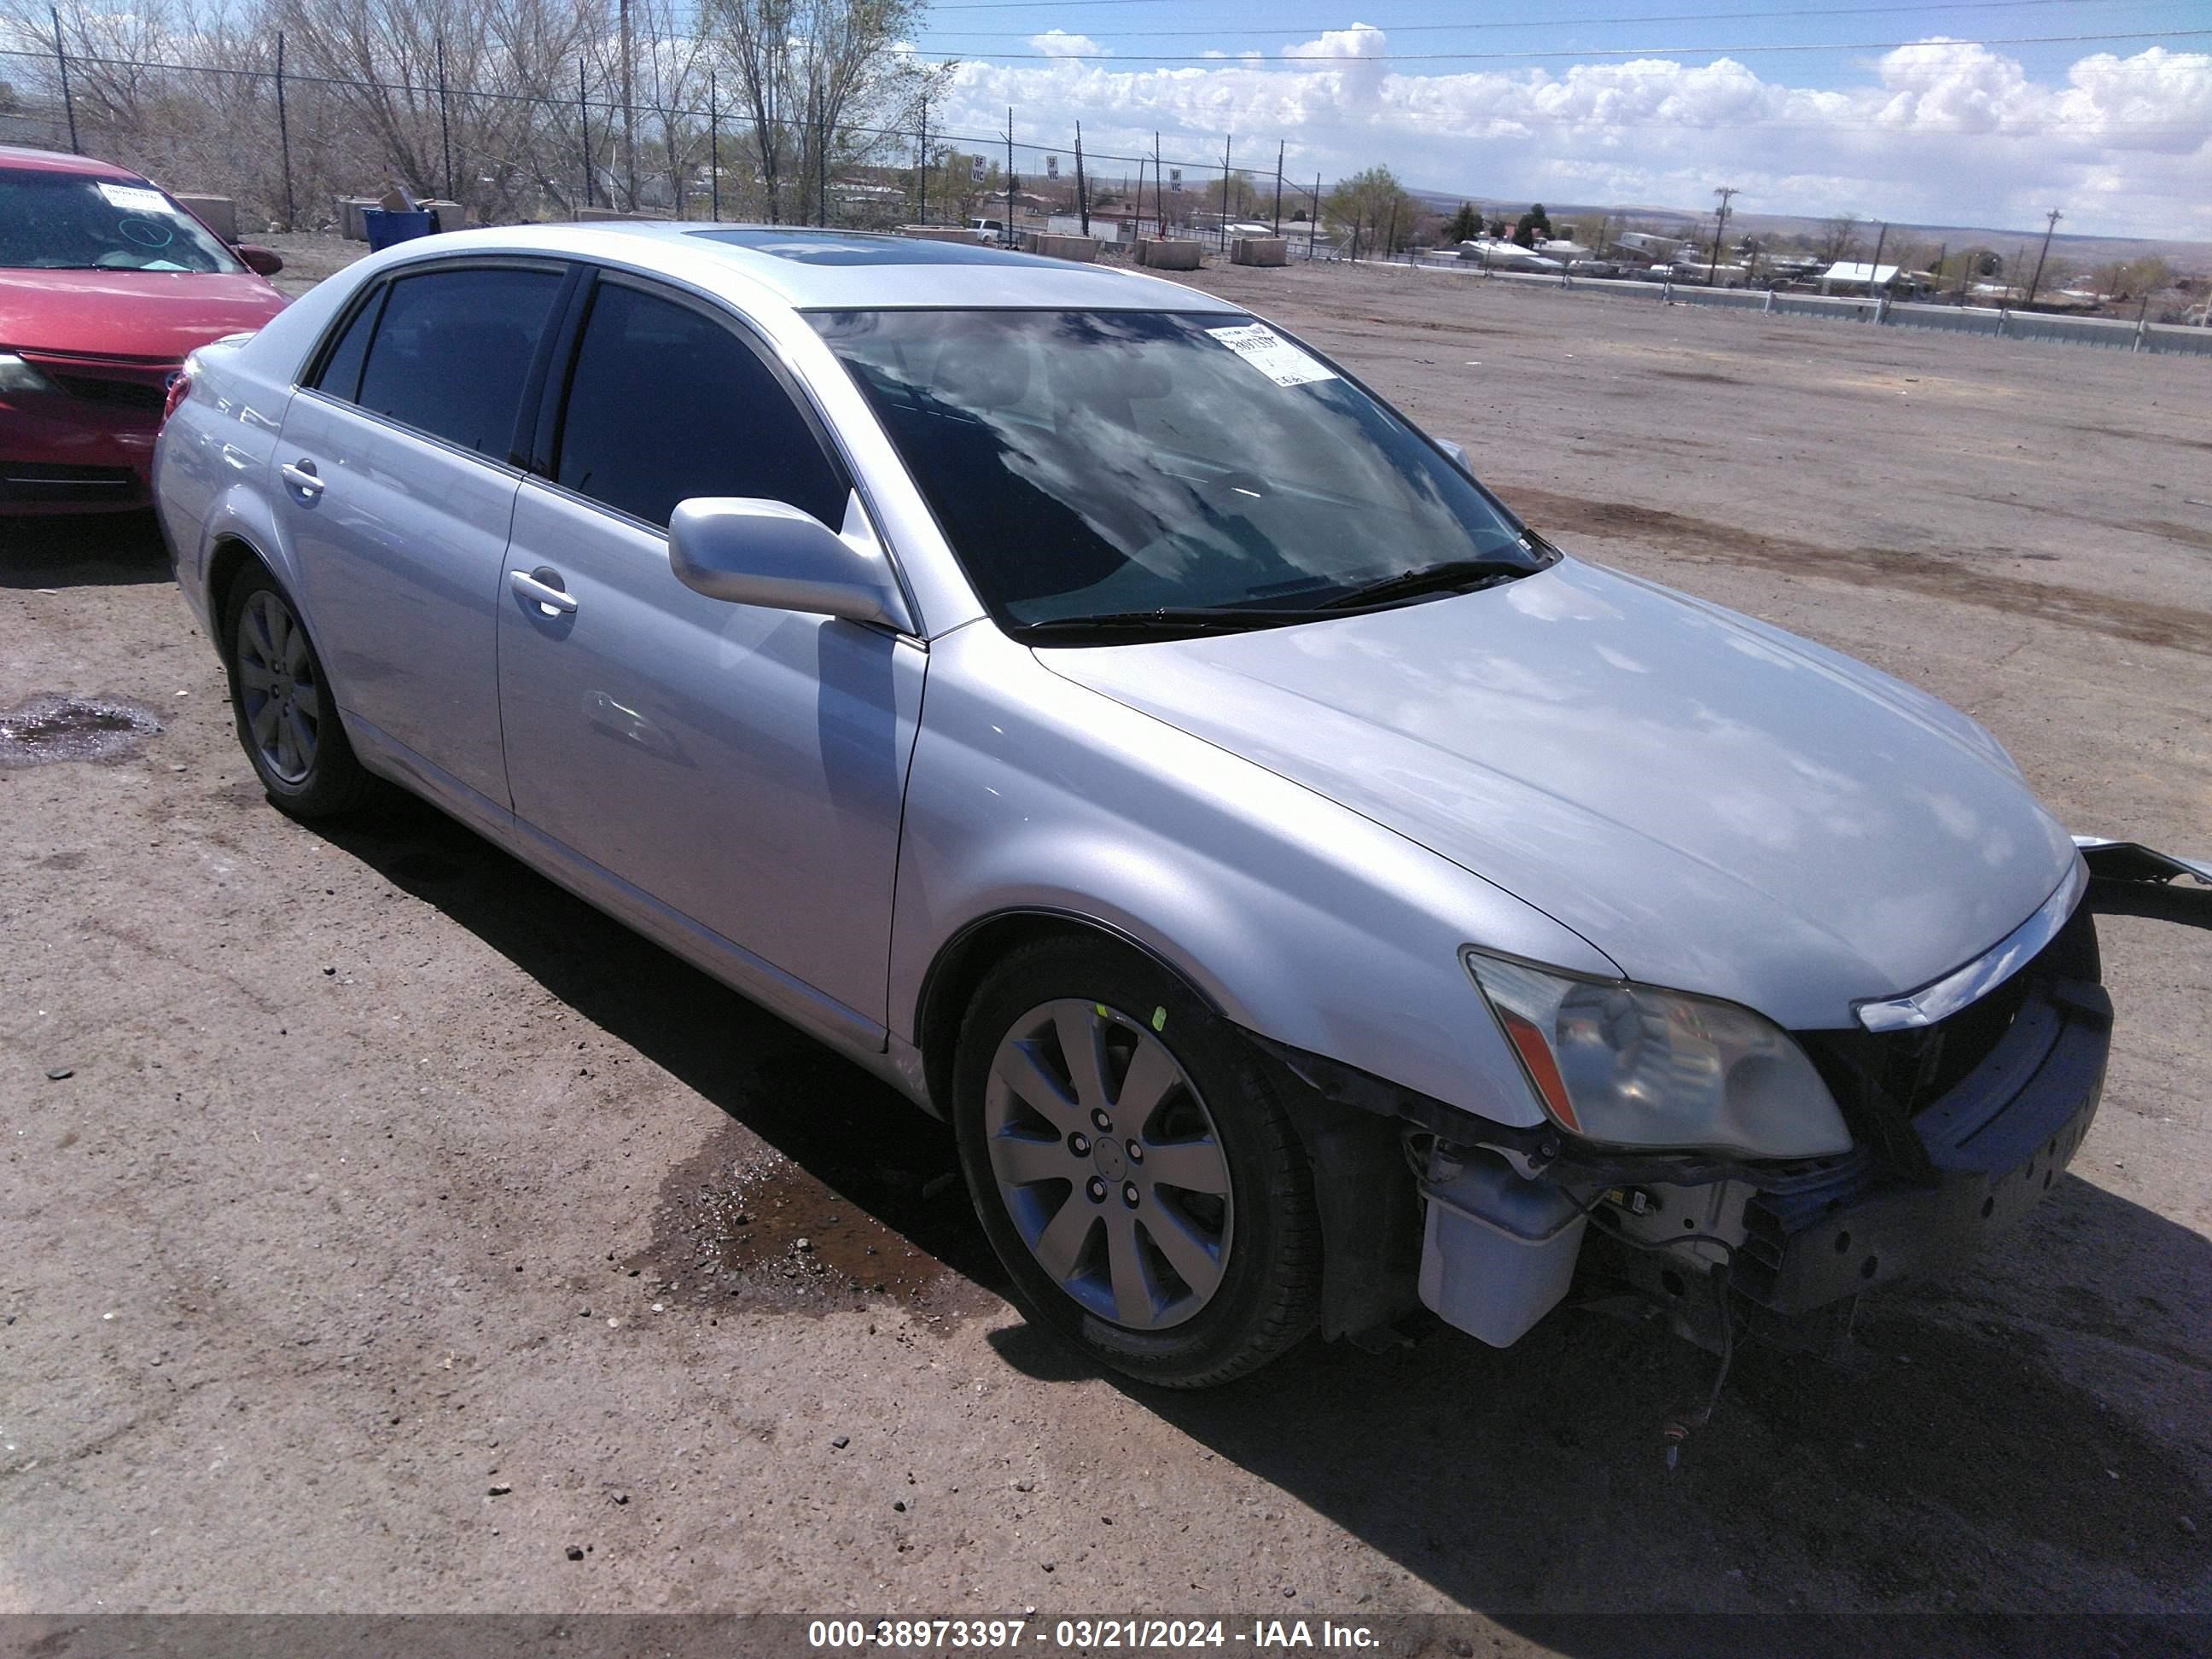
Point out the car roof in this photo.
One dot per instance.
(833, 270)
(54, 160)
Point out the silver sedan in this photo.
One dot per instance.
(1307, 892)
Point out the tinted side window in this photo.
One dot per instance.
(341, 375)
(667, 403)
(453, 350)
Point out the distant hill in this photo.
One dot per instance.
(2185, 257)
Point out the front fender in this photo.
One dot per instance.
(1302, 922)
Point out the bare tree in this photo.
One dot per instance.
(815, 76)
(1837, 238)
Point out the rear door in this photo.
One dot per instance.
(397, 469)
(738, 766)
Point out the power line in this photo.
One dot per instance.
(1548, 21)
(1519, 118)
(1341, 62)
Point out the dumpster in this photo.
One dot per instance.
(386, 227)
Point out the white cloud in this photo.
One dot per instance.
(1059, 43)
(1940, 130)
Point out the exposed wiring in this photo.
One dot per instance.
(1676, 1428)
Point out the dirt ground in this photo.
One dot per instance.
(379, 1227)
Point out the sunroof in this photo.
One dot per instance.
(828, 248)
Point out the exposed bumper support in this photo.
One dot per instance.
(2129, 879)
(1995, 1144)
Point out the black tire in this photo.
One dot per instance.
(331, 780)
(1268, 1295)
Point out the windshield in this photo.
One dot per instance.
(1108, 464)
(66, 222)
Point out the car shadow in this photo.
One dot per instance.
(1955, 1462)
(1952, 1460)
(852, 1134)
(101, 550)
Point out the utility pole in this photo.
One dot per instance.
(1278, 186)
(2051, 224)
(1313, 223)
(1224, 190)
(1874, 271)
(1010, 174)
(714, 148)
(1726, 192)
(1082, 184)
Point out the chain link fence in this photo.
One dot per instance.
(288, 144)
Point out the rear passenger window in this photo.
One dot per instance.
(667, 403)
(341, 375)
(453, 349)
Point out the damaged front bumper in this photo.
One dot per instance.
(1960, 1125)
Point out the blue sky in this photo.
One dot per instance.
(1917, 112)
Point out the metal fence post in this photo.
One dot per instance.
(69, 103)
(284, 139)
(584, 125)
(444, 127)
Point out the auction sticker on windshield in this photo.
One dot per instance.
(131, 198)
(1272, 355)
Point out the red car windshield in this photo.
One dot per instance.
(67, 222)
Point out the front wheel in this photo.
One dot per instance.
(1133, 1167)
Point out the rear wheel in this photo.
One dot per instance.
(1132, 1168)
(288, 722)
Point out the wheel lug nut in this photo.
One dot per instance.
(1136, 1152)
(1079, 1144)
(1104, 1124)
(1129, 1194)
(1097, 1188)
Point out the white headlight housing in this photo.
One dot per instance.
(17, 375)
(1633, 1066)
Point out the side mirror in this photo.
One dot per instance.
(1457, 452)
(766, 553)
(265, 260)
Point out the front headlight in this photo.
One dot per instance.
(1637, 1066)
(18, 376)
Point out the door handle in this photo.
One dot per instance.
(549, 596)
(300, 475)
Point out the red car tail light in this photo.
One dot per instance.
(180, 387)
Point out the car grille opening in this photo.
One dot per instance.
(1884, 1079)
(139, 397)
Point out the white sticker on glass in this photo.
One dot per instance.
(135, 198)
(1272, 355)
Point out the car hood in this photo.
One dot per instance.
(1717, 805)
(128, 313)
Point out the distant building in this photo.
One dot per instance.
(1855, 274)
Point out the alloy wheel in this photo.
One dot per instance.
(277, 690)
(1109, 1163)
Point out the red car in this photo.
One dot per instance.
(106, 283)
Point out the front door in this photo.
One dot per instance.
(740, 769)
